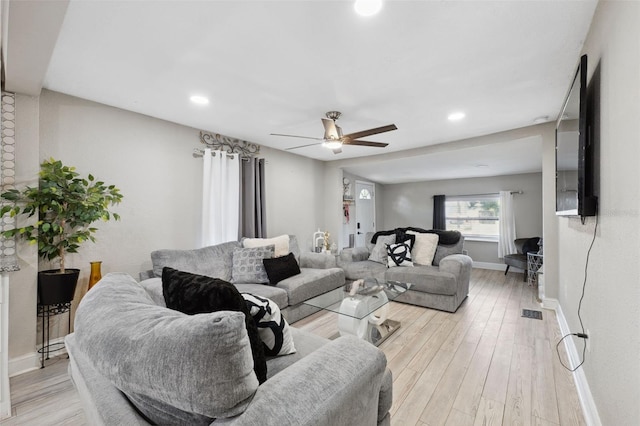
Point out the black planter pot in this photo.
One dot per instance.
(55, 287)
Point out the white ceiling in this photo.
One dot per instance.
(278, 66)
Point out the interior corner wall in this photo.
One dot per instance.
(151, 161)
(611, 304)
(411, 204)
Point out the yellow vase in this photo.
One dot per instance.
(96, 274)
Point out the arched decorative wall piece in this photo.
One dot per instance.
(230, 145)
(8, 257)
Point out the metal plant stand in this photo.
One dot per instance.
(46, 312)
(534, 263)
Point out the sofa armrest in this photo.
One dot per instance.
(145, 275)
(338, 384)
(456, 264)
(355, 254)
(317, 260)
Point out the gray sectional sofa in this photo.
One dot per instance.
(127, 346)
(443, 285)
(318, 274)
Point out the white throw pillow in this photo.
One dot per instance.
(399, 254)
(424, 249)
(272, 327)
(281, 242)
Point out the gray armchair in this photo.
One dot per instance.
(519, 259)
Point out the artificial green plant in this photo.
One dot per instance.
(65, 204)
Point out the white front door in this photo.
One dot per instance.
(365, 211)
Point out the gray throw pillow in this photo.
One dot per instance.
(379, 252)
(247, 265)
(176, 368)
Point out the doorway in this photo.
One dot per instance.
(365, 211)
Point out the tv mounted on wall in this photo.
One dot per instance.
(574, 152)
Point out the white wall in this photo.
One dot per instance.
(151, 161)
(411, 204)
(611, 306)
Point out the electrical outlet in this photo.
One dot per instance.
(588, 340)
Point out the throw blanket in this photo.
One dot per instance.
(446, 238)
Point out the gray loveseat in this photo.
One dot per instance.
(126, 347)
(443, 285)
(318, 274)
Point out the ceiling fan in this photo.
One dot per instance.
(334, 139)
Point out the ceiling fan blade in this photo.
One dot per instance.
(365, 143)
(370, 132)
(296, 136)
(330, 129)
(303, 146)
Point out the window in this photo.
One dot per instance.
(474, 215)
(365, 194)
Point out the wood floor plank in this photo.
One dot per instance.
(489, 413)
(518, 400)
(544, 402)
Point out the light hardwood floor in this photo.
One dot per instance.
(483, 365)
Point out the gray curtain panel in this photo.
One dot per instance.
(439, 221)
(253, 220)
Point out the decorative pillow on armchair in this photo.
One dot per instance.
(196, 294)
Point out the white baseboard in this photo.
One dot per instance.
(24, 364)
(589, 408)
(29, 362)
(489, 265)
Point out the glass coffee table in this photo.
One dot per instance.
(363, 313)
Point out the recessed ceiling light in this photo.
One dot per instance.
(200, 100)
(456, 116)
(541, 119)
(367, 7)
(482, 166)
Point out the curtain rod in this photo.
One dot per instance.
(199, 153)
(488, 193)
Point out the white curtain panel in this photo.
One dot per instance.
(507, 225)
(220, 197)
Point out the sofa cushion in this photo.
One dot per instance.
(424, 248)
(176, 368)
(306, 343)
(196, 294)
(426, 279)
(275, 293)
(248, 267)
(273, 329)
(212, 261)
(310, 283)
(379, 252)
(280, 268)
(281, 244)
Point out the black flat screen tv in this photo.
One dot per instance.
(574, 152)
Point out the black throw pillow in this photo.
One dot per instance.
(280, 268)
(197, 294)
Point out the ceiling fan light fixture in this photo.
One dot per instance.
(367, 7)
(332, 144)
